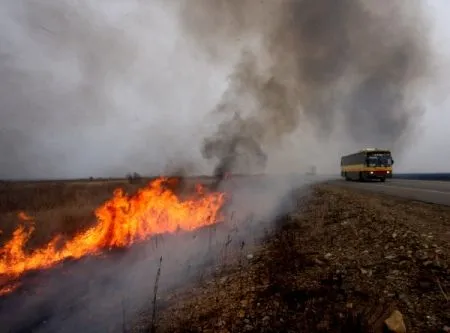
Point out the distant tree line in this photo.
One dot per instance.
(134, 178)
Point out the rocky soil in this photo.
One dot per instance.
(344, 262)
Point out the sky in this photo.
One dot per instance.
(431, 151)
(111, 87)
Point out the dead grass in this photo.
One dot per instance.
(62, 207)
(57, 207)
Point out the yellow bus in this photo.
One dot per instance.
(367, 164)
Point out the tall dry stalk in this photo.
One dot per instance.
(155, 292)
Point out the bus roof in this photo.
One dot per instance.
(367, 150)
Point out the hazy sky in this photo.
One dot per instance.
(111, 87)
(431, 151)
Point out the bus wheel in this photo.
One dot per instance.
(346, 177)
(361, 178)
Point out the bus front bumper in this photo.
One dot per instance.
(381, 174)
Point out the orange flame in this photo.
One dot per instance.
(9, 288)
(121, 221)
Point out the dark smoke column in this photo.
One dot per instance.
(235, 148)
(348, 66)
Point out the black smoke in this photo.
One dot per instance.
(319, 63)
(236, 147)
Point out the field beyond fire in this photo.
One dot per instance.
(341, 261)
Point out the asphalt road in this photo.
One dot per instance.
(437, 192)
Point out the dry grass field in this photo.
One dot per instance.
(57, 207)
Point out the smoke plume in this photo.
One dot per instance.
(322, 64)
(99, 89)
(94, 89)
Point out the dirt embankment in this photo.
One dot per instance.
(342, 263)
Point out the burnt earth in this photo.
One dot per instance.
(342, 263)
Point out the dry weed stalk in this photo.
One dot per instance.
(124, 319)
(442, 290)
(225, 251)
(155, 292)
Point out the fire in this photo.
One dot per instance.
(121, 221)
(9, 288)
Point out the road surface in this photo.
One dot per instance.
(437, 192)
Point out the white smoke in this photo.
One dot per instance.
(96, 88)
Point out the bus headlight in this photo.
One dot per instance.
(388, 172)
(371, 172)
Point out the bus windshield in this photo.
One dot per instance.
(379, 160)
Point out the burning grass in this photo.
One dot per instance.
(56, 207)
(342, 263)
(120, 222)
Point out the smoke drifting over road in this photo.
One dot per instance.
(323, 64)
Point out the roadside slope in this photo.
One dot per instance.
(345, 260)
